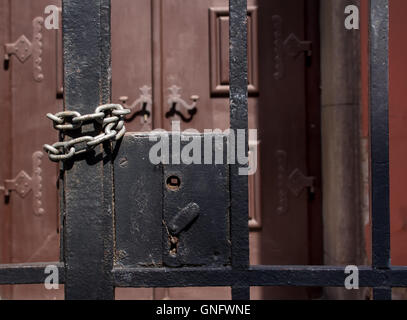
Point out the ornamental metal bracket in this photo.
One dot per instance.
(22, 184)
(292, 47)
(145, 101)
(175, 99)
(24, 48)
(297, 182)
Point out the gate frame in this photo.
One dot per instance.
(87, 267)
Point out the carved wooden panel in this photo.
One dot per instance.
(23, 184)
(219, 50)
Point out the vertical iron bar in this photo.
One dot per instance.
(240, 293)
(88, 184)
(239, 121)
(379, 120)
(382, 294)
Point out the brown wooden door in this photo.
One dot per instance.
(29, 215)
(289, 125)
(158, 44)
(164, 43)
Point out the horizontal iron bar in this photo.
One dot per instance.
(277, 276)
(399, 277)
(273, 276)
(28, 273)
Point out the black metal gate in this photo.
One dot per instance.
(88, 265)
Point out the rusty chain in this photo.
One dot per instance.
(110, 116)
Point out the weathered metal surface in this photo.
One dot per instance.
(203, 191)
(88, 185)
(183, 219)
(24, 48)
(379, 130)
(29, 273)
(138, 204)
(109, 116)
(218, 276)
(239, 120)
(276, 276)
(164, 222)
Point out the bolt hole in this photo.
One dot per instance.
(173, 183)
(216, 255)
(6, 64)
(173, 245)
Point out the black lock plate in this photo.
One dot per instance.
(170, 215)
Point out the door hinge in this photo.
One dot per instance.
(24, 48)
(23, 183)
(297, 182)
(175, 100)
(295, 47)
(291, 46)
(183, 219)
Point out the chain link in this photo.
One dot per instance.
(109, 116)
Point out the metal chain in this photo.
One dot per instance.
(110, 116)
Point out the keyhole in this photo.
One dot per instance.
(173, 183)
(6, 64)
